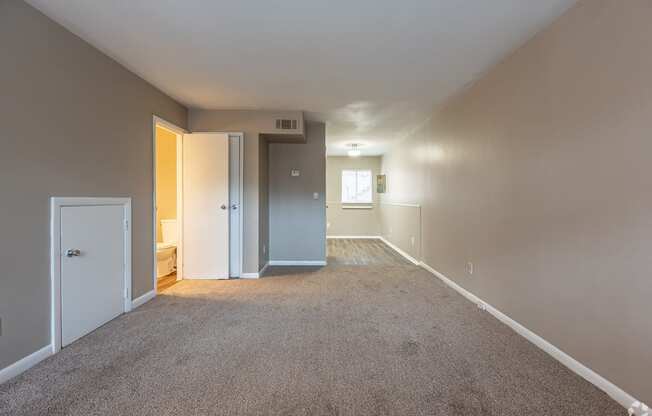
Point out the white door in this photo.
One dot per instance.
(205, 206)
(92, 268)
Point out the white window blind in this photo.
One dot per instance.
(357, 187)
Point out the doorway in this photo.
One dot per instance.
(204, 223)
(167, 205)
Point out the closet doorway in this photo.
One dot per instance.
(198, 181)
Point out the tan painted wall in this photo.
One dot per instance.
(74, 123)
(166, 178)
(350, 222)
(401, 225)
(541, 174)
(297, 221)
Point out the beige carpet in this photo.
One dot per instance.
(346, 340)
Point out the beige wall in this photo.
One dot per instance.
(166, 178)
(350, 222)
(541, 174)
(401, 225)
(297, 221)
(74, 123)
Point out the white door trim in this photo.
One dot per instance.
(158, 121)
(56, 203)
(179, 132)
(240, 200)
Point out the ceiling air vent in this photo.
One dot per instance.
(286, 124)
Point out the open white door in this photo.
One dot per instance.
(205, 206)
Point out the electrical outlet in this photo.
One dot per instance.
(469, 268)
(328, 225)
(264, 249)
(412, 240)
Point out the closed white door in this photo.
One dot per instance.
(92, 268)
(205, 206)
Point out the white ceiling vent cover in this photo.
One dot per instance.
(286, 124)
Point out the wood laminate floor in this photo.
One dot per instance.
(165, 282)
(362, 252)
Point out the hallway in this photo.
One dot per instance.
(383, 339)
(361, 252)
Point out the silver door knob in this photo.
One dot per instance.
(73, 252)
(223, 206)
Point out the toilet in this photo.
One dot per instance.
(166, 251)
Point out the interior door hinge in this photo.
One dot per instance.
(126, 225)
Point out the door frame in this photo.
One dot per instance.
(56, 203)
(178, 132)
(240, 137)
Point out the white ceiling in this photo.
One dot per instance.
(372, 69)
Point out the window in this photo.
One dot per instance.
(356, 187)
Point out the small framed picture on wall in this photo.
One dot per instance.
(380, 184)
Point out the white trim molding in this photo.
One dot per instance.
(249, 275)
(143, 299)
(173, 128)
(178, 132)
(399, 204)
(401, 252)
(255, 275)
(353, 237)
(25, 364)
(297, 262)
(615, 392)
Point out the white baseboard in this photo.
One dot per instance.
(254, 275)
(249, 275)
(353, 237)
(25, 364)
(401, 252)
(615, 392)
(297, 263)
(143, 299)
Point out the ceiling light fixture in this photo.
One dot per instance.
(354, 151)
